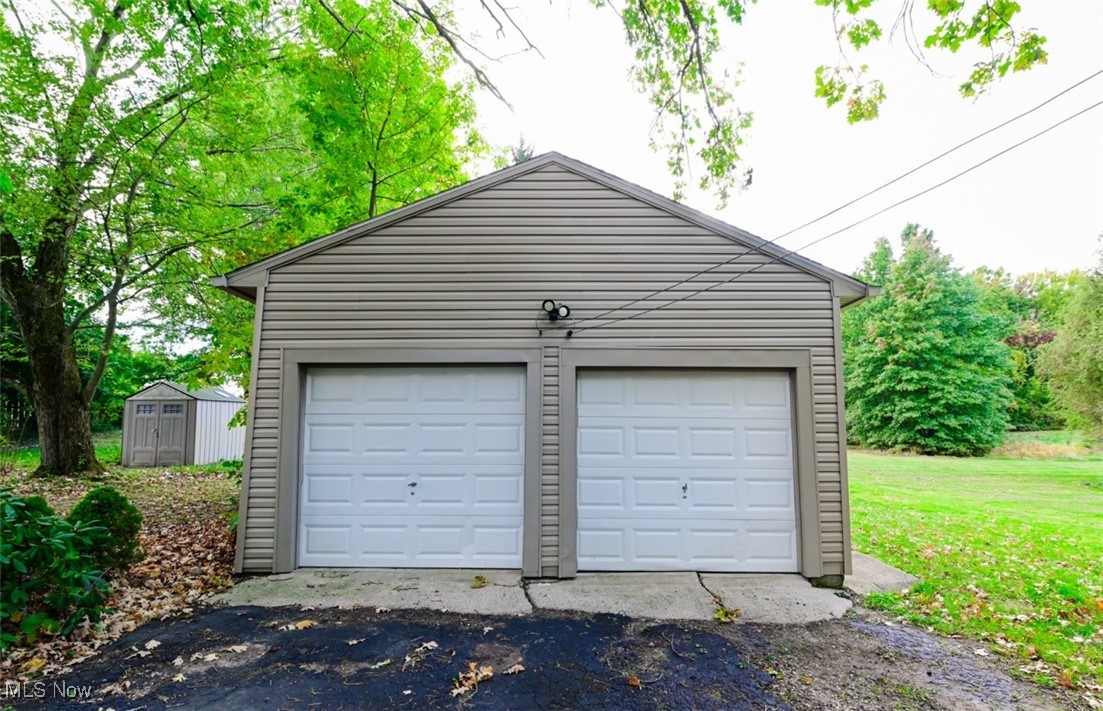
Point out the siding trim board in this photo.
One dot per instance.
(296, 362)
(797, 363)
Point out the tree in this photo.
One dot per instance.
(926, 366)
(679, 43)
(1033, 303)
(1073, 361)
(129, 369)
(146, 144)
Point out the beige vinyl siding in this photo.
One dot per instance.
(473, 273)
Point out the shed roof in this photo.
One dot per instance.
(244, 281)
(215, 393)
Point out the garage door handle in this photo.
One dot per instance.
(685, 490)
(412, 483)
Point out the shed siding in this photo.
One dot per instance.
(214, 440)
(473, 273)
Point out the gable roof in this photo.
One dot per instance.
(244, 281)
(215, 394)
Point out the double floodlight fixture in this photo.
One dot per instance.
(556, 311)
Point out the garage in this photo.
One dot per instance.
(547, 368)
(413, 467)
(686, 470)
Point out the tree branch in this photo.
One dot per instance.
(426, 13)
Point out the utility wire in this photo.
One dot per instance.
(758, 248)
(791, 252)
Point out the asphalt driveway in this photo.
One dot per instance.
(245, 657)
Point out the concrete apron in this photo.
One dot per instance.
(771, 599)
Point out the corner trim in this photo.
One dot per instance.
(250, 421)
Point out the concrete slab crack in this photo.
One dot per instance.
(525, 588)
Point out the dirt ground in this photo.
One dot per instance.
(275, 658)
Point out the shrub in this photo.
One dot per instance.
(36, 505)
(114, 545)
(48, 582)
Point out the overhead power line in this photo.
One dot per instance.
(829, 235)
(759, 248)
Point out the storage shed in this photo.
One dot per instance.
(548, 369)
(166, 424)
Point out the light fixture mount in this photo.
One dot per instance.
(555, 311)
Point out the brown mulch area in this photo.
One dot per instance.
(189, 555)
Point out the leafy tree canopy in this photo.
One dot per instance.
(148, 144)
(1073, 361)
(925, 363)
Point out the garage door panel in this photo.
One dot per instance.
(449, 541)
(345, 439)
(678, 544)
(685, 470)
(671, 394)
(400, 390)
(438, 489)
(693, 441)
(413, 467)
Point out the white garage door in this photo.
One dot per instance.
(413, 467)
(685, 470)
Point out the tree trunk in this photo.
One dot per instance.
(64, 428)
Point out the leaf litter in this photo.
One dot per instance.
(189, 556)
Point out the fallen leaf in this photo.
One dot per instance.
(118, 688)
(479, 582)
(806, 679)
(487, 629)
(354, 642)
(980, 652)
(1065, 681)
(515, 669)
(634, 681)
(407, 692)
(237, 648)
(33, 665)
(178, 662)
(300, 625)
(380, 665)
(210, 657)
(381, 610)
(470, 679)
(152, 644)
(179, 677)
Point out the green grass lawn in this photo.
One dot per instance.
(1010, 552)
(109, 451)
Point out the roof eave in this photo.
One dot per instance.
(871, 291)
(247, 292)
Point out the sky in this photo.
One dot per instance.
(1040, 206)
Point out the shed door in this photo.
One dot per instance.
(413, 467)
(143, 434)
(171, 434)
(685, 470)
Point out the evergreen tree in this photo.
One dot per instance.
(927, 369)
